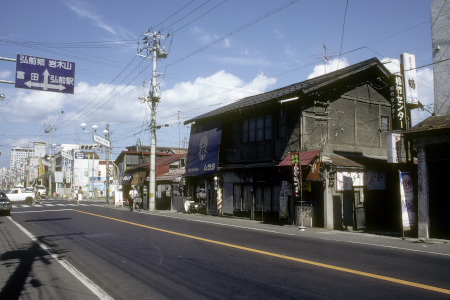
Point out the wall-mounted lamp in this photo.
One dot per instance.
(287, 100)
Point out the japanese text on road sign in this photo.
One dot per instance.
(45, 74)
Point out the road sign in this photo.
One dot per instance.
(45, 74)
(66, 155)
(102, 141)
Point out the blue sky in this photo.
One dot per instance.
(219, 51)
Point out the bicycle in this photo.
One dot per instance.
(134, 204)
(37, 199)
(137, 205)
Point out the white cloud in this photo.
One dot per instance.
(425, 89)
(279, 35)
(330, 66)
(83, 11)
(392, 64)
(5, 74)
(207, 93)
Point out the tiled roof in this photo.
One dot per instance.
(159, 161)
(297, 89)
(431, 124)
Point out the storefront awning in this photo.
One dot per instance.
(138, 178)
(305, 158)
(127, 179)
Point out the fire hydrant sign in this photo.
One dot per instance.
(45, 74)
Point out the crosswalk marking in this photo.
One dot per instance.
(48, 205)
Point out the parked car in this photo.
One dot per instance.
(42, 191)
(5, 204)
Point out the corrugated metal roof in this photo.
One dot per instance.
(340, 161)
(305, 158)
(297, 89)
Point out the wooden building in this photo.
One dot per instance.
(239, 156)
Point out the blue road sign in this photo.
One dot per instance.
(45, 74)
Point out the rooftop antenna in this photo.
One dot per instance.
(325, 57)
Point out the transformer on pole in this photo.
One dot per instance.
(152, 44)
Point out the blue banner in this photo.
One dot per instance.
(204, 148)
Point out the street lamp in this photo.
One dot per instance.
(83, 126)
(107, 144)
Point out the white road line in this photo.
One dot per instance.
(39, 211)
(101, 294)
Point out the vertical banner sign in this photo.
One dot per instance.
(397, 102)
(409, 74)
(285, 192)
(296, 169)
(407, 200)
(394, 148)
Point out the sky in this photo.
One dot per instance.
(219, 51)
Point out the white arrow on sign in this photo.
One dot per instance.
(45, 85)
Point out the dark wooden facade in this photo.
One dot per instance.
(344, 114)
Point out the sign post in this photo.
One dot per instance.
(45, 74)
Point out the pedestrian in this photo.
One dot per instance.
(80, 195)
(133, 194)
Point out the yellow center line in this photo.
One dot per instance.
(304, 261)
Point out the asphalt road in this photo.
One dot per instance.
(166, 255)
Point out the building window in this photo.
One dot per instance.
(385, 123)
(257, 129)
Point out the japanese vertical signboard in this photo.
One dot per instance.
(397, 102)
(409, 74)
(296, 171)
(45, 74)
(407, 200)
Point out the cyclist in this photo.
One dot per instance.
(133, 194)
(37, 195)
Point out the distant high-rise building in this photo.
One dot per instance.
(19, 155)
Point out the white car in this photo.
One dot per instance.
(42, 191)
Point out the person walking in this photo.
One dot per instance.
(80, 195)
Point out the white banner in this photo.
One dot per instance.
(407, 200)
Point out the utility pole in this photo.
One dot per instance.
(108, 171)
(49, 129)
(152, 44)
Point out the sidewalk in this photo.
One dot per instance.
(378, 239)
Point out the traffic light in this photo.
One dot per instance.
(86, 147)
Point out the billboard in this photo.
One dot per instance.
(408, 63)
(204, 148)
(45, 74)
